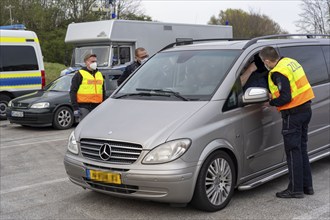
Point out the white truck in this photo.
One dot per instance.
(114, 41)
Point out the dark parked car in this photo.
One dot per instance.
(51, 106)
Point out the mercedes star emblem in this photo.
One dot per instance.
(105, 152)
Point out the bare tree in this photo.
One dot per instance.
(123, 9)
(315, 18)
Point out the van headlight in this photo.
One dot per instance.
(10, 103)
(40, 105)
(72, 145)
(167, 152)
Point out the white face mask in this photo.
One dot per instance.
(93, 66)
(143, 60)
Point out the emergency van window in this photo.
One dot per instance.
(102, 53)
(121, 55)
(18, 58)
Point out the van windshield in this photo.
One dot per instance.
(180, 75)
(102, 53)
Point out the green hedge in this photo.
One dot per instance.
(53, 71)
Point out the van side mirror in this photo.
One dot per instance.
(255, 94)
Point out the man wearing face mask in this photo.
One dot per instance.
(141, 56)
(87, 88)
(291, 93)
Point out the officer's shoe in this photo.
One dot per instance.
(288, 194)
(308, 190)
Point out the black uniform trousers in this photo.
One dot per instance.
(295, 135)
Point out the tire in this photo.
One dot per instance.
(4, 100)
(63, 118)
(215, 183)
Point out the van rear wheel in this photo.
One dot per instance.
(4, 100)
(215, 183)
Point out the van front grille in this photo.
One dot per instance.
(110, 151)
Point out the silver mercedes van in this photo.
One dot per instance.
(182, 129)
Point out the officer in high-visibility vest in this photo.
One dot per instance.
(291, 93)
(87, 87)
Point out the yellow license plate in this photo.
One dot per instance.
(102, 176)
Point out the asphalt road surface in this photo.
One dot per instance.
(34, 185)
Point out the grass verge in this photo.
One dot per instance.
(53, 71)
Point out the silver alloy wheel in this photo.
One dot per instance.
(218, 181)
(64, 118)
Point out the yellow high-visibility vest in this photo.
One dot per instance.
(301, 90)
(90, 89)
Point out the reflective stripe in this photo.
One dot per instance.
(299, 99)
(17, 40)
(90, 98)
(303, 81)
(301, 90)
(97, 82)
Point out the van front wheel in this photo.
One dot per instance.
(215, 183)
(4, 100)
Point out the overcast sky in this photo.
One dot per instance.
(283, 12)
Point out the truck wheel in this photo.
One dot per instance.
(63, 118)
(4, 100)
(215, 183)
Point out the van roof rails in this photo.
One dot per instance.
(13, 27)
(255, 40)
(186, 41)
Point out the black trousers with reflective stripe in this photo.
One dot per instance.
(295, 135)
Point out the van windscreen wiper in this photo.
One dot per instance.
(139, 94)
(163, 91)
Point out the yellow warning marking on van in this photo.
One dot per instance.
(19, 75)
(34, 86)
(17, 39)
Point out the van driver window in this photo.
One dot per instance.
(255, 74)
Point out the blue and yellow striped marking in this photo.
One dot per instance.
(9, 81)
